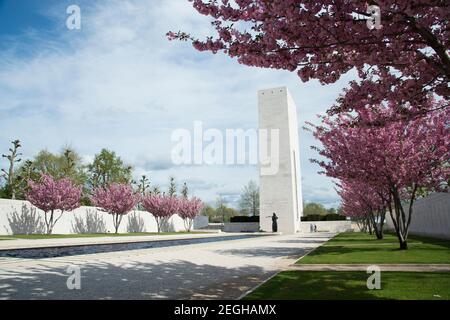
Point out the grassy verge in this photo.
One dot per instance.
(348, 285)
(348, 248)
(92, 235)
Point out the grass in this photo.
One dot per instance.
(348, 248)
(91, 235)
(350, 285)
(354, 248)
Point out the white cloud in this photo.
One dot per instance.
(120, 84)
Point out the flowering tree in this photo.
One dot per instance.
(365, 204)
(117, 200)
(162, 207)
(401, 157)
(188, 209)
(51, 195)
(404, 61)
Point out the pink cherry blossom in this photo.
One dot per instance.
(49, 195)
(188, 209)
(400, 157)
(117, 200)
(162, 207)
(404, 63)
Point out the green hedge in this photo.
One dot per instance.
(327, 217)
(244, 219)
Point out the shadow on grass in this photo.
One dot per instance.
(294, 285)
(420, 250)
(343, 285)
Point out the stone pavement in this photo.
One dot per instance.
(216, 270)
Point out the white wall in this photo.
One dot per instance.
(431, 216)
(64, 225)
(329, 226)
(241, 227)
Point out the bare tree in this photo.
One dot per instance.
(185, 190)
(249, 202)
(13, 158)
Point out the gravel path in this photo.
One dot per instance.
(219, 270)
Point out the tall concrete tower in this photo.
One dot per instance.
(280, 178)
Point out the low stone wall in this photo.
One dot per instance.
(431, 216)
(201, 222)
(328, 226)
(241, 227)
(68, 222)
(322, 226)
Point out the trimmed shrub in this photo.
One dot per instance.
(244, 219)
(327, 217)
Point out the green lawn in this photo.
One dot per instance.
(348, 285)
(91, 235)
(353, 247)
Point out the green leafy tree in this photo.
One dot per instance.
(67, 164)
(107, 168)
(220, 213)
(223, 211)
(313, 208)
(332, 211)
(209, 212)
(27, 171)
(249, 201)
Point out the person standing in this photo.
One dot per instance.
(274, 223)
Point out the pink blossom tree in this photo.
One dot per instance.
(401, 157)
(162, 207)
(50, 195)
(364, 203)
(117, 199)
(188, 209)
(403, 62)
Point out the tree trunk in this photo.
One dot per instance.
(403, 245)
(117, 218)
(369, 225)
(49, 223)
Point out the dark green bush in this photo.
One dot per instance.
(327, 217)
(244, 219)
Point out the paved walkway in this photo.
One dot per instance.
(219, 270)
(363, 267)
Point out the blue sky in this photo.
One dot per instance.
(119, 83)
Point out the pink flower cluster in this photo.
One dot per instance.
(115, 199)
(162, 207)
(403, 63)
(50, 194)
(386, 166)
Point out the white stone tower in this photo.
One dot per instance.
(280, 190)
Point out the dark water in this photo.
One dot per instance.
(75, 250)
